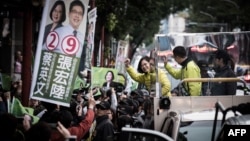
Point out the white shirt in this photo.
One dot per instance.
(62, 40)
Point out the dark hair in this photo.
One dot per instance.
(147, 107)
(113, 76)
(146, 58)
(8, 126)
(66, 118)
(180, 51)
(40, 131)
(77, 3)
(109, 93)
(222, 54)
(59, 2)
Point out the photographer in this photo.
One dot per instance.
(110, 96)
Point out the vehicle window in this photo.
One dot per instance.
(199, 130)
(143, 137)
(136, 134)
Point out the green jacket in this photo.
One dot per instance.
(147, 78)
(189, 70)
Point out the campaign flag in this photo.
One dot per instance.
(5, 81)
(99, 54)
(59, 50)
(18, 110)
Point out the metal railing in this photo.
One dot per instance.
(222, 79)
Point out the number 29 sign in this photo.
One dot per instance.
(69, 44)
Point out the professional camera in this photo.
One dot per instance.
(119, 87)
(137, 122)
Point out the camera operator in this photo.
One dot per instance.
(110, 96)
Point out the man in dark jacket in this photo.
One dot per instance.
(223, 70)
(104, 127)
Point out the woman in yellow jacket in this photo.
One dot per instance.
(146, 75)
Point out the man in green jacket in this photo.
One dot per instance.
(189, 70)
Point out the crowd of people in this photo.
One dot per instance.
(89, 117)
(92, 117)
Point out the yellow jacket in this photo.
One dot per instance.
(150, 78)
(190, 71)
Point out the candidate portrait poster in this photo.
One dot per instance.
(92, 15)
(121, 55)
(100, 76)
(59, 50)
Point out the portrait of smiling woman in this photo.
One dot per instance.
(109, 80)
(57, 15)
(146, 74)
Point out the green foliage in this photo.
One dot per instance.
(111, 21)
(138, 18)
(141, 18)
(233, 12)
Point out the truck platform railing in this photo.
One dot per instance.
(222, 79)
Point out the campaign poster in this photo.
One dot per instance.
(100, 76)
(59, 50)
(90, 37)
(121, 55)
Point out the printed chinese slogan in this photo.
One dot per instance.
(59, 51)
(55, 76)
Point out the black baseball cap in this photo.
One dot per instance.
(103, 105)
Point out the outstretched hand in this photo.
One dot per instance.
(165, 60)
(127, 62)
(26, 122)
(64, 131)
(91, 102)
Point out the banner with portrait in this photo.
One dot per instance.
(106, 78)
(121, 55)
(59, 50)
(92, 15)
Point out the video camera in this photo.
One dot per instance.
(137, 122)
(119, 87)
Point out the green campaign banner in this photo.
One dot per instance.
(60, 50)
(99, 76)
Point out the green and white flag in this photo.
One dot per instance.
(18, 110)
